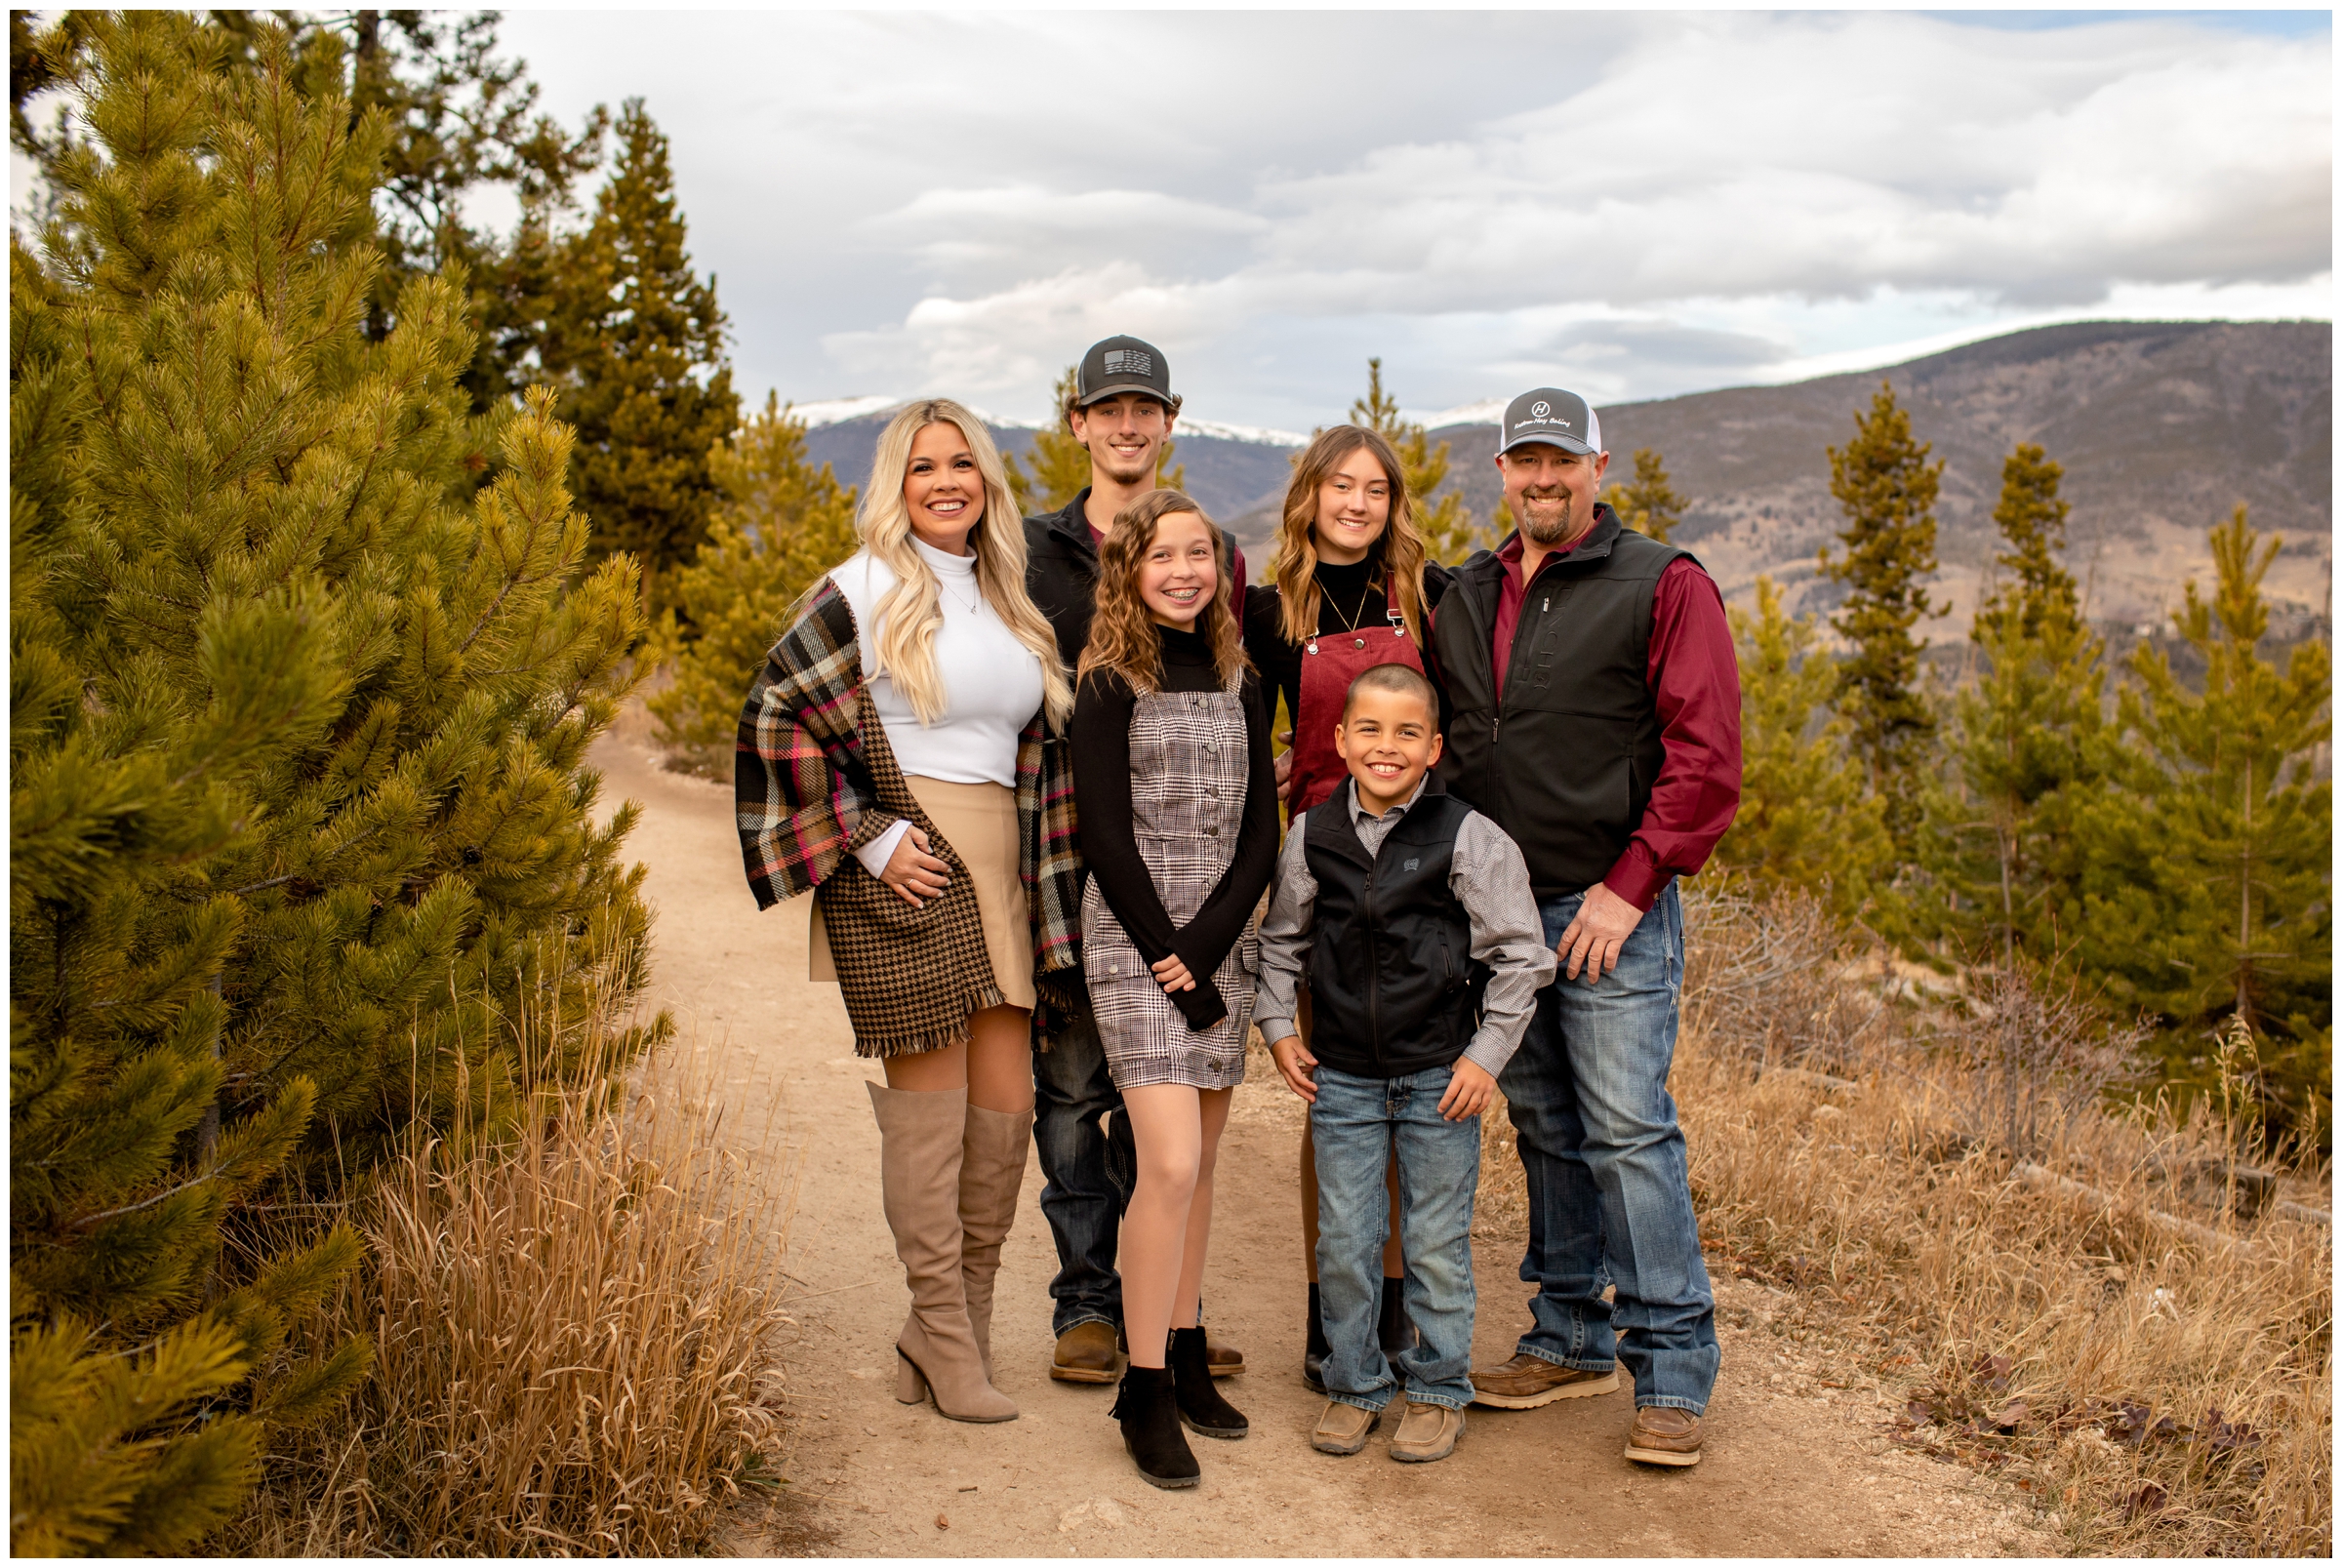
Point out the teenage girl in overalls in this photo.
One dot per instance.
(1351, 590)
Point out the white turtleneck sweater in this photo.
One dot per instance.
(991, 684)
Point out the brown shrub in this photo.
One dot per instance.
(571, 1334)
(1951, 1197)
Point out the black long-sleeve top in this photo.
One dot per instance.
(1102, 783)
(1348, 596)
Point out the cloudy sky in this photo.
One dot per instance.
(1631, 204)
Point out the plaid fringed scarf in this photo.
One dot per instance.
(814, 780)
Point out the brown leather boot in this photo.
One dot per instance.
(1086, 1352)
(1528, 1382)
(991, 1172)
(922, 1137)
(1662, 1434)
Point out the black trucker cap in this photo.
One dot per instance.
(1123, 365)
(1550, 414)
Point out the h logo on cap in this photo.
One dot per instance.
(1128, 361)
(1540, 410)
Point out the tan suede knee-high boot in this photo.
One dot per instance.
(921, 1135)
(991, 1172)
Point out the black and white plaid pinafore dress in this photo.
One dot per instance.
(1190, 760)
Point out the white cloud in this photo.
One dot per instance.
(1640, 204)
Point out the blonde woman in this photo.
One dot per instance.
(891, 761)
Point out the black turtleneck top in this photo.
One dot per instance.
(1102, 781)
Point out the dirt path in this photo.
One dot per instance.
(1792, 1467)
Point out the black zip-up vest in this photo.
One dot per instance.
(1392, 985)
(1563, 758)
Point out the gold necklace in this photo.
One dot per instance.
(1355, 617)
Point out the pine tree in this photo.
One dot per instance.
(2208, 899)
(2026, 748)
(302, 842)
(1448, 534)
(458, 117)
(2032, 517)
(1649, 504)
(1887, 487)
(1057, 468)
(1807, 819)
(780, 525)
(637, 345)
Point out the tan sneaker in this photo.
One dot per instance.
(1343, 1428)
(1426, 1433)
(1662, 1434)
(1528, 1382)
(1085, 1353)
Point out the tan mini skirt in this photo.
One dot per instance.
(980, 822)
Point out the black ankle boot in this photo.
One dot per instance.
(1200, 1406)
(1312, 1360)
(1391, 1329)
(1147, 1407)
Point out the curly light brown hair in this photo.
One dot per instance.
(1122, 637)
(1295, 569)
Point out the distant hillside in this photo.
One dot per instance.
(1225, 475)
(2162, 426)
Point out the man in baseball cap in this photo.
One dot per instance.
(1116, 365)
(1122, 409)
(1609, 658)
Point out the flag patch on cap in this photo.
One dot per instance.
(1128, 362)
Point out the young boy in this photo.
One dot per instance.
(1411, 917)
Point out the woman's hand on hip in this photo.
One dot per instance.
(1172, 975)
(913, 872)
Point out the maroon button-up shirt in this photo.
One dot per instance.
(1694, 676)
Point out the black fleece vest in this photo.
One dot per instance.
(1392, 987)
(1563, 758)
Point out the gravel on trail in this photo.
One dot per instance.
(1792, 1467)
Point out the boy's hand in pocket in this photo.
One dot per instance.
(1469, 1089)
(1294, 1061)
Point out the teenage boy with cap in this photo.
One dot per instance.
(1604, 662)
(1122, 410)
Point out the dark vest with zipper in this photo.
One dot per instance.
(1392, 987)
(1563, 758)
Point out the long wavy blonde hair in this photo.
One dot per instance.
(1296, 565)
(911, 612)
(1122, 639)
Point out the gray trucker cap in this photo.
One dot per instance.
(1550, 414)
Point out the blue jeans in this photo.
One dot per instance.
(1608, 1179)
(1354, 1125)
(1087, 1172)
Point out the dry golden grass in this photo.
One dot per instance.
(1950, 1196)
(572, 1336)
